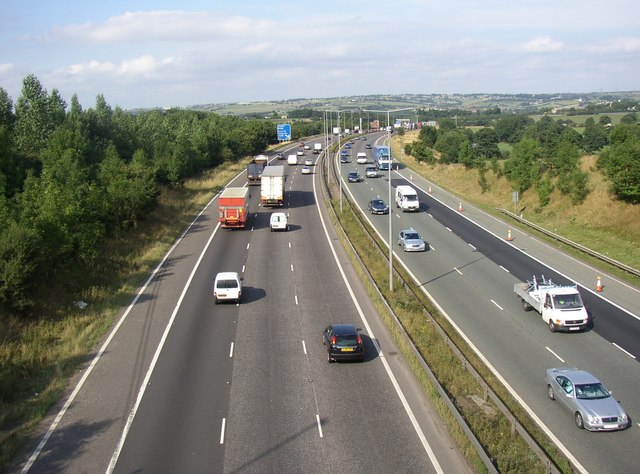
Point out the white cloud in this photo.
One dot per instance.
(140, 27)
(6, 67)
(145, 66)
(542, 44)
(616, 45)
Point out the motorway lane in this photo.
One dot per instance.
(514, 341)
(282, 384)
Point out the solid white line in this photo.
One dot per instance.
(628, 353)
(500, 307)
(416, 426)
(504, 269)
(156, 356)
(557, 356)
(222, 428)
(304, 347)
(319, 425)
(457, 270)
(104, 346)
(231, 350)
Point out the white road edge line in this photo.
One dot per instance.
(222, 429)
(626, 352)
(403, 400)
(557, 356)
(98, 356)
(231, 350)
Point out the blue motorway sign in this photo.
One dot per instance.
(284, 131)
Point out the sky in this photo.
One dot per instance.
(142, 54)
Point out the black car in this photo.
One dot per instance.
(343, 343)
(354, 177)
(378, 206)
(280, 155)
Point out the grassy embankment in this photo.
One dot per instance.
(37, 356)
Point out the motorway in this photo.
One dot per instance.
(470, 271)
(184, 385)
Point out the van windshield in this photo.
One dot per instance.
(411, 197)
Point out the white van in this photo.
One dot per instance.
(361, 158)
(407, 198)
(227, 287)
(292, 160)
(278, 221)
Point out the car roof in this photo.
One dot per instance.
(344, 329)
(577, 376)
(227, 276)
(411, 229)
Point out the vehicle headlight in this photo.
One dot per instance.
(593, 419)
(623, 418)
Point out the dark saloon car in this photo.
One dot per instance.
(354, 177)
(378, 206)
(343, 343)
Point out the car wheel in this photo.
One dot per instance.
(550, 394)
(579, 420)
(526, 306)
(404, 247)
(552, 326)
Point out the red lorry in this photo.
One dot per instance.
(233, 204)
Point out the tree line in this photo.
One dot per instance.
(72, 178)
(544, 155)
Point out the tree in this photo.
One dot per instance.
(6, 110)
(486, 142)
(448, 144)
(466, 156)
(428, 135)
(523, 168)
(621, 164)
(594, 136)
(510, 128)
(629, 118)
(33, 119)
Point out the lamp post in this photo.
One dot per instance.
(390, 166)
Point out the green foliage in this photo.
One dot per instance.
(523, 168)
(510, 128)
(422, 152)
(481, 165)
(69, 180)
(545, 188)
(594, 136)
(621, 162)
(428, 135)
(486, 143)
(629, 118)
(448, 144)
(466, 156)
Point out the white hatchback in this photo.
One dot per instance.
(227, 287)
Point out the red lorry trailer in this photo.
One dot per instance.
(233, 204)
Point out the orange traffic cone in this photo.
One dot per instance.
(460, 209)
(509, 238)
(411, 177)
(598, 284)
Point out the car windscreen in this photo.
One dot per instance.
(411, 236)
(591, 391)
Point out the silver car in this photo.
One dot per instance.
(592, 405)
(411, 241)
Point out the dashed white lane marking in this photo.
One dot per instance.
(248, 245)
(500, 307)
(304, 347)
(457, 270)
(319, 425)
(231, 350)
(504, 269)
(626, 352)
(472, 246)
(556, 355)
(222, 428)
